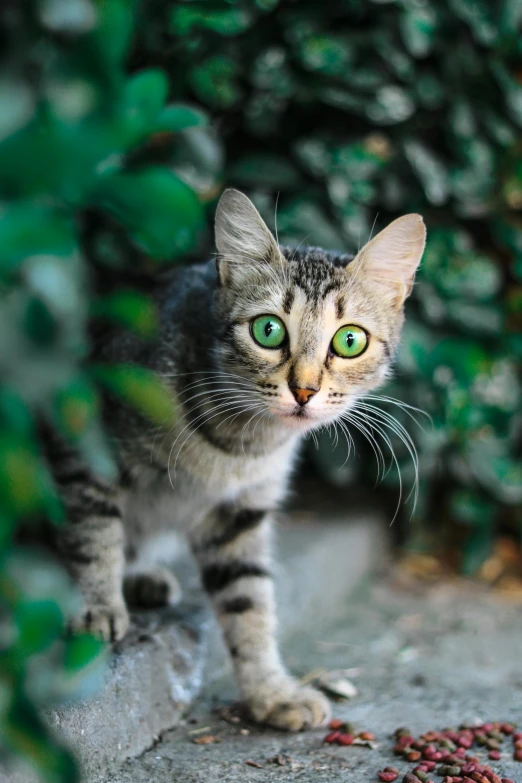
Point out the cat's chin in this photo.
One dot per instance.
(299, 420)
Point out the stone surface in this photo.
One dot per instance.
(154, 674)
(158, 669)
(426, 658)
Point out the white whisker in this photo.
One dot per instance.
(379, 419)
(400, 404)
(224, 407)
(388, 442)
(381, 463)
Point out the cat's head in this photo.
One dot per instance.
(309, 331)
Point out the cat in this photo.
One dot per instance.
(258, 348)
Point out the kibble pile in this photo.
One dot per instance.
(447, 753)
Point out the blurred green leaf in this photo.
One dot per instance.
(39, 624)
(466, 274)
(472, 509)
(494, 469)
(326, 54)
(75, 406)
(198, 161)
(477, 14)
(80, 650)
(161, 213)
(23, 487)
(39, 323)
(131, 309)
(429, 169)
(25, 733)
(143, 101)
(477, 548)
(265, 170)
(462, 119)
(303, 221)
(392, 104)
(140, 388)
(53, 155)
(418, 26)
(186, 19)
(28, 229)
(95, 449)
(465, 358)
(178, 117)
(107, 44)
(15, 415)
(474, 318)
(215, 81)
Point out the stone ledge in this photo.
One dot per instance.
(153, 675)
(158, 669)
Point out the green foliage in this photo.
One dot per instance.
(341, 114)
(349, 113)
(91, 181)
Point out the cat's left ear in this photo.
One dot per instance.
(243, 239)
(392, 257)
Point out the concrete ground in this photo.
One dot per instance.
(422, 657)
(158, 669)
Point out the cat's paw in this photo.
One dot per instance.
(107, 622)
(151, 589)
(293, 708)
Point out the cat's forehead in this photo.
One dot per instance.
(318, 280)
(321, 285)
(312, 285)
(317, 272)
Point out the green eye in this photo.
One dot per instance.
(349, 341)
(268, 330)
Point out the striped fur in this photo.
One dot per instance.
(217, 473)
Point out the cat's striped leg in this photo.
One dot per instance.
(233, 550)
(92, 547)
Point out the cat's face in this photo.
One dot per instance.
(308, 330)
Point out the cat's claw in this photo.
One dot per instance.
(109, 623)
(302, 708)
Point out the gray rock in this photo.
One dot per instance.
(159, 668)
(426, 659)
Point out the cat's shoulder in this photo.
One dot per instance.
(177, 280)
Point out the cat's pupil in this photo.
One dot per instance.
(268, 329)
(349, 339)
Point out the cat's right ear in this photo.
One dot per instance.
(390, 259)
(243, 239)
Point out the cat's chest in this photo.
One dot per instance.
(222, 468)
(179, 490)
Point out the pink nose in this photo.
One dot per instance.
(303, 395)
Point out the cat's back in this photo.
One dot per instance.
(184, 295)
(183, 298)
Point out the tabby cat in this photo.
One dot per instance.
(257, 349)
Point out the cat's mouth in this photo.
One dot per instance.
(298, 417)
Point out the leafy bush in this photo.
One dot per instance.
(350, 113)
(83, 198)
(339, 114)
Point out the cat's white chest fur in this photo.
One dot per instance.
(199, 479)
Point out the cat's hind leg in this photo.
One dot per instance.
(151, 588)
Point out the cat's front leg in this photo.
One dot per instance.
(92, 547)
(233, 550)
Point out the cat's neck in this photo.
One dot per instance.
(225, 412)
